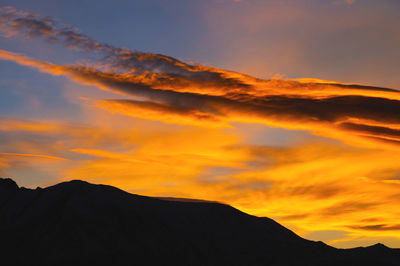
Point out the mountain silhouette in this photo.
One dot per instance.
(78, 223)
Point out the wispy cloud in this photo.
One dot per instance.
(347, 112)
(8, 154)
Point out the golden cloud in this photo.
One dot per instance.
(356, 114)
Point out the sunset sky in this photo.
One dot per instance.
(288, 109)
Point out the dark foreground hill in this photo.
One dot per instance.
(77, 223)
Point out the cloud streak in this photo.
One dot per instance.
(293, 105)
(378, 227)
(30, 25)
(31, 155)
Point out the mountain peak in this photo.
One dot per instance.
(379, 246)
(8, 184)
(74, 182)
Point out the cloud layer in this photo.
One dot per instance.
(162, 88)
(351, 113)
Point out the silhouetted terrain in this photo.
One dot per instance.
(77, 223)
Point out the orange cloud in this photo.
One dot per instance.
(317, 108)
(163, 161)
(164, 112)
(31, 155)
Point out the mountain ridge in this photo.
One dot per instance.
(76, 222)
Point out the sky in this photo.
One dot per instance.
(280, 108)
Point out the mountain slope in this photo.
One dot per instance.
(77, 223)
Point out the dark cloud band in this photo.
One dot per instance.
(169, 89)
